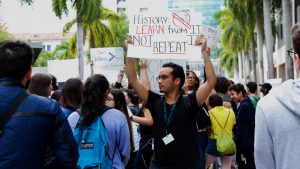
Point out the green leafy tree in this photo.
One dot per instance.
(232, 38)
(97, 33)
(63, 51)
(87, 11)
(43, 58)
(120, 28)
(4, 35)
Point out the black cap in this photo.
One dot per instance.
(267, 86)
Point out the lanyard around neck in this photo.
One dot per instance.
(168, 118)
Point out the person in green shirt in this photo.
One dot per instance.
(251, 92)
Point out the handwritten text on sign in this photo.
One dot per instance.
(171, 35)
(108, 58)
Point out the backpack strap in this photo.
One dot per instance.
(12, 109)
(105, 108)
(218, 121)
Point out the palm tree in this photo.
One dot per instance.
(97, 33)
(287, 24)
(269, 37)
(43, 58)
(233, 38)
(227, 61)
(245, 15)
(87, 11)
(259, 35)
(63, 51)
(120, 28)
(4, 35)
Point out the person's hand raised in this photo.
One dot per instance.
(144, 64)
(128, 40)
(201, 40)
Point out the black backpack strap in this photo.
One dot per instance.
(12, 109)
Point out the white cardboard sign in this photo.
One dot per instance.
(169, 35)
(108, 58)
(154, 66)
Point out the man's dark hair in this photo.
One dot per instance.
(71, 93)
(238, 88)
(177, 72)
(252, 86)
(94, 97)
(296, 38)
(39, 84)
(222, 85)
(15, 59)
(215, 100)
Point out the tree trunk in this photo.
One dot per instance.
(80, 47)
(240, 60)
(247, 66)
(259, 46)
(287, 24)
(236, 71)
(269, 38)
(253, 59)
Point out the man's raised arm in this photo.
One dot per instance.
(205, 90)
(138, 87)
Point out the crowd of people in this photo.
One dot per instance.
(182, 127)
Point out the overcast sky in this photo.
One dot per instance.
(38, 18)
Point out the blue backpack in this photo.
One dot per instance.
(92, 145)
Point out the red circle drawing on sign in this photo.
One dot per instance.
(181, 19)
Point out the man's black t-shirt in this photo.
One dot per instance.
(180, 153)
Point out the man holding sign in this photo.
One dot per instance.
(174, 114)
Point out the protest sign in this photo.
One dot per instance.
(169, 35)
(63, 69)
(107, 58)
(154, 66)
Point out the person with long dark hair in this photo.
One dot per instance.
(116, 99)
(95, 94)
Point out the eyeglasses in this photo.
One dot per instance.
(162, 77)
(291, 52)
(190, 77)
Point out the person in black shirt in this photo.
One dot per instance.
(174, 128)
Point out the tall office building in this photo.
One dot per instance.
(207, 7)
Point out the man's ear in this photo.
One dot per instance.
(177, 81)
(297, 61)
(27, 76)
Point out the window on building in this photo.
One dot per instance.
(48, 47)
(121, 10)
(118, 1)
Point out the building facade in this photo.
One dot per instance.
(280, 48)
(48, 40)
